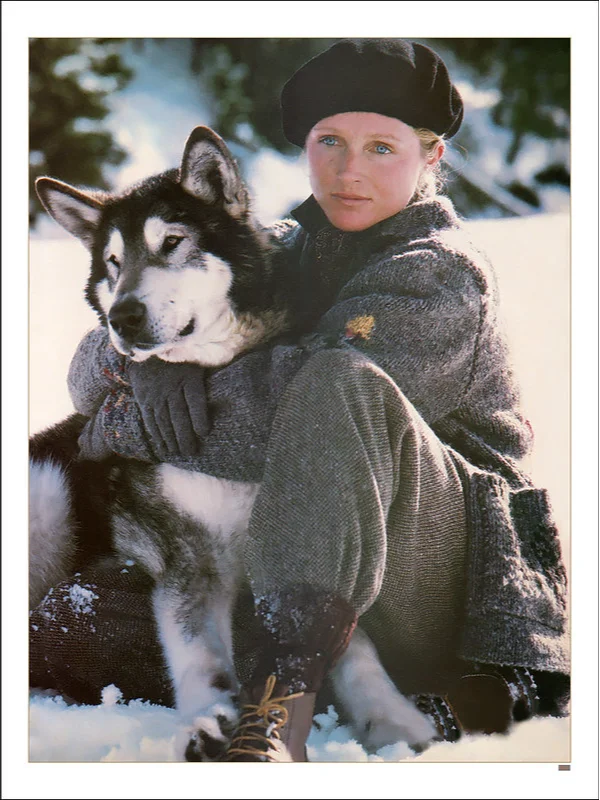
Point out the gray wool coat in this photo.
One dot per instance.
(418, 299)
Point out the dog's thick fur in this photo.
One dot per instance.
(180, 271)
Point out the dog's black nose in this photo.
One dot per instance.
(128, 317)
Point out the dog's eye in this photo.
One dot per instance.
(113, 267)
(171, 242)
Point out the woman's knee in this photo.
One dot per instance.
(335, 378)
(339, 371)
(342, 363)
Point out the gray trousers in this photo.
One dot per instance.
(360, 498)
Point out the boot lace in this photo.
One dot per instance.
(259, 726)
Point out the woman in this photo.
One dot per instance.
(386, 435)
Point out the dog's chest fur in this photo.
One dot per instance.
(221, 506)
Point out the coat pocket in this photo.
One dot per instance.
(517, 585)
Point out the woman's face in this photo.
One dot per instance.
(364, 167)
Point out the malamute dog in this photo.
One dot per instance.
(179, 270)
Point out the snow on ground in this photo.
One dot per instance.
(139, 731)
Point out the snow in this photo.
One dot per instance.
(81, 599)
(111, 695)
(139, 731)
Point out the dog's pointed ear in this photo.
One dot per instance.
(210, 173)
(77, 212)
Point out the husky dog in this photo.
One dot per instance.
(179, 270)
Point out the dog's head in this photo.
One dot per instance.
(173, 258)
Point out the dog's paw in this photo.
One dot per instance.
(207, 736)
(400, 722)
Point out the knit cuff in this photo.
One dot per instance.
(123, 428)
(306, 630)
(95, 368)
(116, 428)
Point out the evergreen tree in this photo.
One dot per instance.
(533, 81)
(70, 80)
(245, 78)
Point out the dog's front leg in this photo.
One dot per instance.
(379, 714)
(195, 631)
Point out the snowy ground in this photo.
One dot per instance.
(531, 258)
(139, 731)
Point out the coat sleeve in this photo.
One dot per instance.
(99, 388)
(89, 378)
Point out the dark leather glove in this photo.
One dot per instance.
(172, 401)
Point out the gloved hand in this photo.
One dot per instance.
(172, 401)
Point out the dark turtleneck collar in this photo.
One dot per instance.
(311, 216)
(417, 219)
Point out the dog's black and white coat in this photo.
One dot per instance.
(180, 271)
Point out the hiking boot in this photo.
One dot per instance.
(492, 699)
(273, 729)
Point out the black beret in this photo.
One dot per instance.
(392, 77)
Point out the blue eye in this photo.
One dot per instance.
(328, 140)
(382, 149)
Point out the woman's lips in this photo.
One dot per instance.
(349, 199)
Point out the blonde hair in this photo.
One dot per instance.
(430, 181)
